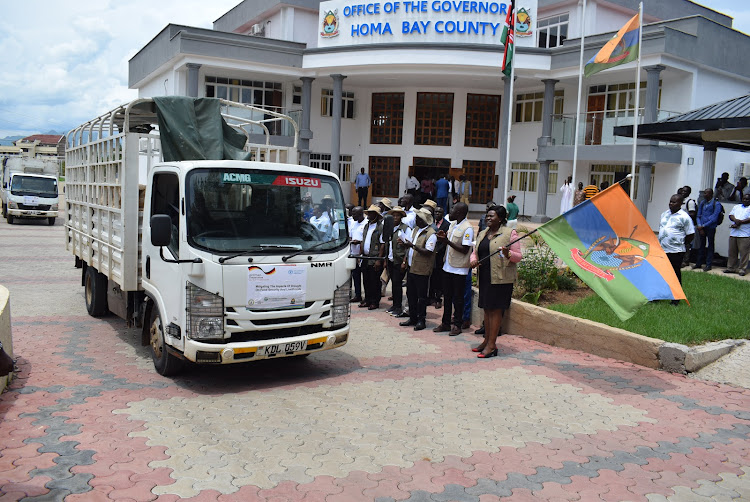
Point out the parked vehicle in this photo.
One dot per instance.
(29, 188)
(214, 259)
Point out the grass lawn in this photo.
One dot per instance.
(717, 311)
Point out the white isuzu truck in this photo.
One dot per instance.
(29, 188)
(216, 260)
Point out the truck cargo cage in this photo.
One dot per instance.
(105, 185)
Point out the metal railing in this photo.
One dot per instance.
(597, 128)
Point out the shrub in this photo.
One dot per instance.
(538, 271)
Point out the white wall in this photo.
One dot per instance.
(306, 28)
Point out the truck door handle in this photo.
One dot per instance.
(148, 267)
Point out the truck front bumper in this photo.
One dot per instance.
(211, 353)
(31, 213)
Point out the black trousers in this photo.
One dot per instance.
(454, 287)
(436, 284)
(357, 280)
(675, 259)
(416, 293)
(397, 277)
(371, 280)
(362, 196)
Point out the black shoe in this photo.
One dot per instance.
(419, 326)
(707, 268)
(695, 267)
(396, 313)
(409, 322)
(480, 331)
(403, 315)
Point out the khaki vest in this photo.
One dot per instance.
(421, 264)
(502, 271)
(456, 259)
(399, 250)
(374, 242)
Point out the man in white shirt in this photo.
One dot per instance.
(412, 185)
(356, 228)
(321, 221)
(459, 239)
(420, 256)
(407, 202)
(739, 237)
(675, 228)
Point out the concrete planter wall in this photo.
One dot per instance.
(5, 334)
(562, 330)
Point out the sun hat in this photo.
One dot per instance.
(425, 215)
(398, 209)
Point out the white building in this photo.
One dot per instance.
(421, 89)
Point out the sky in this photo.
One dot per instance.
(65, 62)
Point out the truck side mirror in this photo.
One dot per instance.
(161, 230)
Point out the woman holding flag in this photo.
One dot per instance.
(496, 256)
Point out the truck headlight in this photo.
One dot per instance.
(205, 314)
(341, 307)
(12, 205)
(53, 207)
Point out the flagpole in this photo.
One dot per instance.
(637, 98)
(510, 126)
(510, 98)
(580, 90)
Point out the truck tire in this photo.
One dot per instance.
(5, 211)
(95, 293)
(165, 363)
(51, 221)
(11, 219)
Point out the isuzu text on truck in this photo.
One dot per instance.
(214, 259)
(29, 188)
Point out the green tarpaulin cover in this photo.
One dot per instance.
(193, 129)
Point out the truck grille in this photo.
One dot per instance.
(34, 208)
(271, 334)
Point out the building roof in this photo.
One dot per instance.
(44, 139)
(725, 125)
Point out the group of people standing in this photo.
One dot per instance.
(435, 254)
(444, 190)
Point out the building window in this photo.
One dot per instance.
(387, 122)
(326, 104)
(384, 174)
(323, 161)
(616, 100)
(434, 118)
(482, 120)
(614, 173)
(297, 95)
(524, 175)
(261, 94)
(553, 31)
(481, 173)
(529, 106)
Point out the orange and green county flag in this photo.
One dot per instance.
(607, 242)
(622, 48)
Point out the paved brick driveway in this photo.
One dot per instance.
(394, 415)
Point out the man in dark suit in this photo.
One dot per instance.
(436, 280)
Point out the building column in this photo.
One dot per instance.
(192, 79)
(709, 166)
(338, 81)
(507, 101)
(650, 107)
(548, 108)
(644, 187)
(305, 134)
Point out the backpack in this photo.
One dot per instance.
(720, 219)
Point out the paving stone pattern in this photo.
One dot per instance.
(394, 415)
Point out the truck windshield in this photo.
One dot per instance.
(32, 185)
(236, 210)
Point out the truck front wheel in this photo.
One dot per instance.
(95, 292)
(51, 221)
(165, 363)
(5, 211)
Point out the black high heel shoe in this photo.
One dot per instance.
(482, 355)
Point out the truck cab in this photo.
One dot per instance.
(237, 262)
(26, 192)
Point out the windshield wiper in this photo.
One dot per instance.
(301, 251)
(259, 247)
